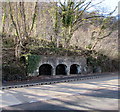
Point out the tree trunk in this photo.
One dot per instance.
(17, 50)
(93, 47)
(57, 42)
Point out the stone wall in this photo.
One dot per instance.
(62, 60)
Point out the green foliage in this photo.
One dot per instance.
(96, 59)
(33, 61)
(69, 12)
(91, 61)
(25, 56)
(89, 46)
(13, 72)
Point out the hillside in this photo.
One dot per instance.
(107, 46)
(38, 33)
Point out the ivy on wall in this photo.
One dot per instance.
(33, 61)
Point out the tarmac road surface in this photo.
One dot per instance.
(93, 94)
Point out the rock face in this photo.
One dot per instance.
(59, 66)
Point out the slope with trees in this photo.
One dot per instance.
(53, 29)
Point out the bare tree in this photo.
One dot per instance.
(105, 27)
(22, 26)
(73, 14)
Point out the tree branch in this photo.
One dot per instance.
(22, 10)
(12, 18)
(34, 17)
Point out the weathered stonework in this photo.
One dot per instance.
(55, 61)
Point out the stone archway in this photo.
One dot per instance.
(45, 69)
(61, 69)
(74, 69)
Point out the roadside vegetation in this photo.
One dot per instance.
(59, 29)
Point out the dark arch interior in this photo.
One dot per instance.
(45, 69)
(61, 69)
(74, 69)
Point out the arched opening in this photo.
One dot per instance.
(61, 69)
(74, 69)
(45, 69)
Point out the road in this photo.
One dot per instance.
(92, 94)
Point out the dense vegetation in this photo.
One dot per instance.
(66, 29)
